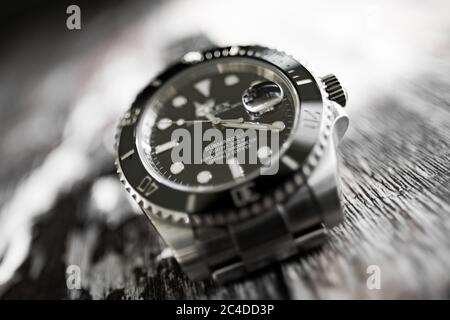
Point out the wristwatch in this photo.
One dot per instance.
(231, 152)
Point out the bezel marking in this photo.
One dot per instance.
(302, 82)
(128, 154)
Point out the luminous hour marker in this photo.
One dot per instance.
(204, 87)
(176, 167)
(231, 80)
(289, 162)
(166, 146)
(204, 177)
(126, 155)
(301, 82)
(279, 124)
(179, 101)
(190, 203)
(264, 152)
(164, 123)
(235, 168)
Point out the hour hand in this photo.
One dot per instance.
(165, 123)
(203, 110)
(253, 125)
(236, 120)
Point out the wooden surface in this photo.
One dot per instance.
(61, 203)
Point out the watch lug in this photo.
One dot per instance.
(341, 122)
(324, 181)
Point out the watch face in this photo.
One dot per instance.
(201, 143)
(216, 124)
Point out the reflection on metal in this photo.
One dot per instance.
(262, 97)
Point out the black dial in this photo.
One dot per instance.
(195, 133)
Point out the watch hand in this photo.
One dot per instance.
(236, 120)
(209, 116)
(166, 146)
(180, 122)
(203, 110)
(252, 125)
(212, 118)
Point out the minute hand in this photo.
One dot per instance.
(252, 125)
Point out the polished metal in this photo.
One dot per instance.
(262, 97)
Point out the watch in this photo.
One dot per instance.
(231, 152)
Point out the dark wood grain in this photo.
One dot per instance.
(61, 203)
